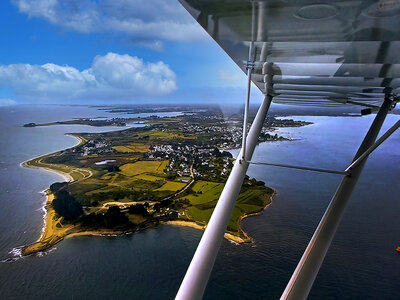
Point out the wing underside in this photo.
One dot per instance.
(330, 53)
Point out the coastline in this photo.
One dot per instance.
(54, 231)
(261, 211)
(67, 177)
(47, 237)
(77, 137)
(242, 239)
(34, 162)
(229, 236)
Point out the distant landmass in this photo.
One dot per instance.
(90, 122)
(170, 171)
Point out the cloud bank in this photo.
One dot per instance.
(112, 76)
(7, 102)
(233, 77)
(145, 21)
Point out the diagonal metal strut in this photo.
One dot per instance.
(374, 146)
(250, 68)
(349, 169)
(307, 269)
(298, 167)
(196, 278)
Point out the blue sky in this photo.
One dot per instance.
(110, 51)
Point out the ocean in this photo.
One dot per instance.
(361, 263)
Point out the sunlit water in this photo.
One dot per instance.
(361, 264)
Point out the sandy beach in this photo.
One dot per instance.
(54, 230)
(66, 176)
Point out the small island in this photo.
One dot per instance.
(170, 171)
(89, 122)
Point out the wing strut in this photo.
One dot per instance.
(349, 169)
(199, 271)
(307, 269)
(249, 68)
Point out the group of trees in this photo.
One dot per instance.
(113, 168)
(58, 186)
(180, 203)
(217, 153)
(66, 205)
(162, 204)
(139, 209)
(252, 182)
(171, 175)
(112, 219)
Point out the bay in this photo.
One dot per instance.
(361, 264)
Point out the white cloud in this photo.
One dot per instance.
(235, 76)
(113, 76)
(232, 76)
(154, 45)
(145, 20)
(7, 102)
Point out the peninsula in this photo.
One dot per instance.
(170, 171)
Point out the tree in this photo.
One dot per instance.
(114, 217)
(112, 168)
(57, 186)
(66, 205)
(138, 209)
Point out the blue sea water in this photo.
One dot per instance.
(361, 264)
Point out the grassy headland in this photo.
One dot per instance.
(171, 171)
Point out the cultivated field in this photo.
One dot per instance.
(140, 167)
(251, 200)
(133, 147)
(171, 186)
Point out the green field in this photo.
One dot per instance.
(141, 176)
(148, 177)
(140, 167)
(166, 135)
(251, 200)
(133, 147)
(205, 192)
(171, 186)
(76, 174)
